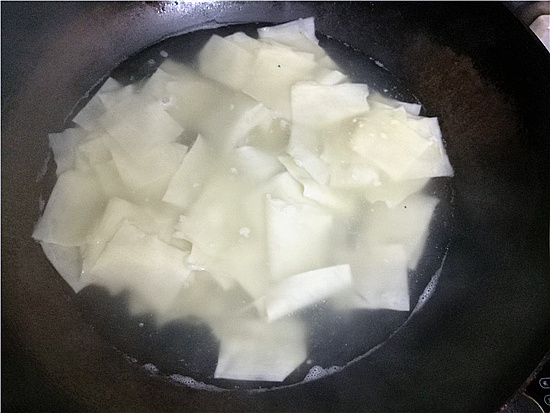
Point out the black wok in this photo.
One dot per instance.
(470, 346)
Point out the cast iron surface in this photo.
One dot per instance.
(470, 346)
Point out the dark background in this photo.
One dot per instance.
(24, 385)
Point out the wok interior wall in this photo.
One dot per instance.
(482, 332)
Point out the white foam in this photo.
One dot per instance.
(430, 288)
(191, 382)
(41, 204)
(151, 368)
(130, 359)
(44, 169)
(317, 372)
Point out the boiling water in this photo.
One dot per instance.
(186, 351)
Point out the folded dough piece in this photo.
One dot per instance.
(302, 290)
(74, 206)
(151, 269)
(252, 349)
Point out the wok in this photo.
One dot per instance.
(468, 348)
